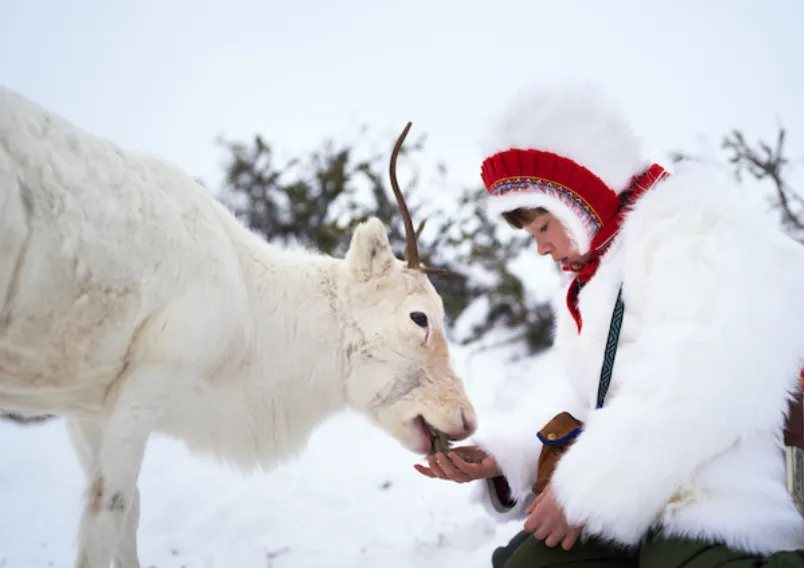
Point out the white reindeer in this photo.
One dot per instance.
(132, 301)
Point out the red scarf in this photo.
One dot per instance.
(638, 185)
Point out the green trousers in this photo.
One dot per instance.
(525, 551)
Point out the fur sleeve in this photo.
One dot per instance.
(511, 437)
(713, 350)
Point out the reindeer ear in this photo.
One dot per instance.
(370, 253)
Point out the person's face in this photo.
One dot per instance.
(552, 239)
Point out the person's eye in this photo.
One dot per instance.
(543, 229)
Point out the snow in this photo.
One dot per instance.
(351, 499)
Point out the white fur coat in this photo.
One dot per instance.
(689, 441)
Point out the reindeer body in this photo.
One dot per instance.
(131, 301)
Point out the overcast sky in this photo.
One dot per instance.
(168, 76)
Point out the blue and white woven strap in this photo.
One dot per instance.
(611, 349)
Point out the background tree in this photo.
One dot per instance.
(766, 163)
(770, 166)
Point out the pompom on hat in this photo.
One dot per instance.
(567, 150)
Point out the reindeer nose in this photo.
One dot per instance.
(468, 423)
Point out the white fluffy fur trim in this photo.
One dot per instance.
(511, 438)
(580, 235)
(517, 454)
(576, 121)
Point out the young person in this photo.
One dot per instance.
(681, 332)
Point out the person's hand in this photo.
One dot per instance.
(547, 522)
(453, 468)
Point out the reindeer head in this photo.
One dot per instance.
(400, 371)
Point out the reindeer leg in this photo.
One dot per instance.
(85, 435)
(126, 556)
(108, 522)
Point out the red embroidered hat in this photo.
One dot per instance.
(566, 150)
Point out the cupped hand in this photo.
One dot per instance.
(452, 467)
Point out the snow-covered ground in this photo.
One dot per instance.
(351, 499)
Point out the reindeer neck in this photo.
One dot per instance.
(287, 372)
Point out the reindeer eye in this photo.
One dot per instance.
(419, 319)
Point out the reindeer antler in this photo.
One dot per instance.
(411, 248)
(411, 236)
